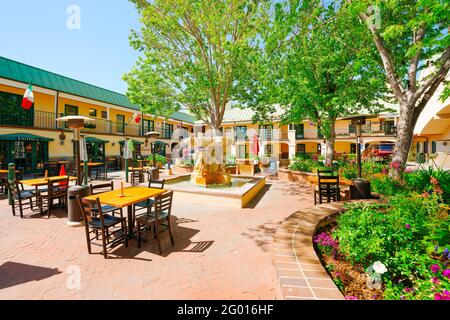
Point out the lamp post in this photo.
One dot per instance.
(74, 214)
(152, 136)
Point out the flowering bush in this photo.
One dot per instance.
(402, 234)
(326, 243)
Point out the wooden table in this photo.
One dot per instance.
(133, 195)
(44, 181)
(139, 168)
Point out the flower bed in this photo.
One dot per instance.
(408, 235)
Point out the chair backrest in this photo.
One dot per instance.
(62, 184)
(15, 187)
(100, 188)
(163, 203)
(90, 209)
(327, 179)
(158, 184)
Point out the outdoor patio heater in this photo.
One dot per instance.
(74, 212)
(361, 188)
(153, 135)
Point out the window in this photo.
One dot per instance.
(93, 113)
(301, 148)
(104, 114)
(433, 147)
(319, 133)
(148, 126)
(11, 112)
(70, 110)
(268, 150)
(167, 131)
(240, 133)
(120, 119)
(266, 132)
(299, 130)
(242, 151)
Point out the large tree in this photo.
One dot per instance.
(410, 36)
(315, 65)
(191, 51)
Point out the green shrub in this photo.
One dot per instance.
(386, 186)
(397, 233)
(306, 165)
(421, 181)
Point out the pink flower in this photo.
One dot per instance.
(435, 280)
(445, 295)
(351, 298)
(435, 268)
(446, 273)
(408, 226)
(409, 289)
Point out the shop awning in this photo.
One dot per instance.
(95, 140)
(23, 137)
(134, 142)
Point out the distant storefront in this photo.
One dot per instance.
(27, 151)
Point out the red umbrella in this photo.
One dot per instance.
(255, 146)
(62, 172)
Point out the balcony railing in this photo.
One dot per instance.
(349, 132)
(47, 120)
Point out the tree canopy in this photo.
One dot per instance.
(191, 51)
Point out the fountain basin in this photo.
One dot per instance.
(237, 195)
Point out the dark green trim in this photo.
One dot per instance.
(95, 140)
(23, 137)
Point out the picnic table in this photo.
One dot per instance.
(132, 195)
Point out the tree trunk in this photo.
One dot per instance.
(330, 146)
(403, 141)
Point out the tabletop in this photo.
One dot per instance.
(138, 168)
(342, 181)
(133, 195)
(44, 181)
(94, 164)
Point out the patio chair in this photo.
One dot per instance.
(136, 176)
(21, 198)
(105, 187)
(159, 218)
(101, 172)
(113, 230)
(148, 204)
(328, 187)
(56, 190)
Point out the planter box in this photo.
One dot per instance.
(295, 176)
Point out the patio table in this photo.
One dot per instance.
(44, 181)
(132, 196)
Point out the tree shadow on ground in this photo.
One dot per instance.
(13, 274)
(263, 234)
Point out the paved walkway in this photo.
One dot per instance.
(219, 254)
(300, 273)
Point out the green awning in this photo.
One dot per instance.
(95, 140)
(134, 142)
(23, 137)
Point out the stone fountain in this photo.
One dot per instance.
(209, 166)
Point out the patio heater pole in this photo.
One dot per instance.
(358, 149)
(73, 210)
(125, 153)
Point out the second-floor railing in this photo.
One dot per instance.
(47, 120)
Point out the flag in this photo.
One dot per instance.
(28, 98)
(136, 117)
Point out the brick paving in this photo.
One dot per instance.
(219, 253)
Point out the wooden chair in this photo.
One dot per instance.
(105, 187)
(56, 190)
(102, 172)
(113, 230)
(21, 198)
(148, 204)
(159, 218)
(135, 176)
(328, 187)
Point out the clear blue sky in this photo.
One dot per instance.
(36, 33)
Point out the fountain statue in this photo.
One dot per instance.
(210, 169)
